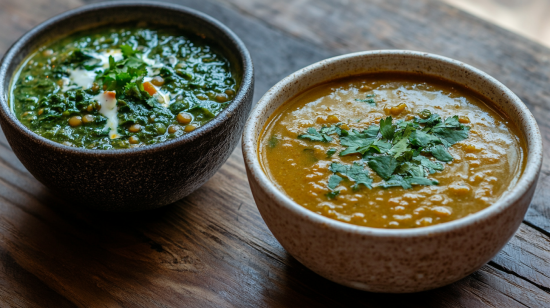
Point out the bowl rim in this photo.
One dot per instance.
(527, 180)
(245, 88)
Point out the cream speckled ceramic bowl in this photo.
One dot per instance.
(392, 260)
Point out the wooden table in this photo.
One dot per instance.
(212, 249)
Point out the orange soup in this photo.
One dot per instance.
(392, 150)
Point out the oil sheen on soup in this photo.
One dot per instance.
(391, 150)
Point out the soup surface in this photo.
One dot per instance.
(391, 150)
(123, 86)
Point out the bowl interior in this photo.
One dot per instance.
(396, 61)
(97, 15)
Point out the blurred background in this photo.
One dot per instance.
(530, 18)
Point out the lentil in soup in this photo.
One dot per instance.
(122, 86)
(391, 150)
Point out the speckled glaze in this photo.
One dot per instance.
(392, 260)
(129, 179)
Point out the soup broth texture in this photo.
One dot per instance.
(122, 86)
(391, 150)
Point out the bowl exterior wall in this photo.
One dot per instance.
(131, 182)
(142, 178)
(388, 264)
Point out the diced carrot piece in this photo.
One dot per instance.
(110, 94)
(149, 88)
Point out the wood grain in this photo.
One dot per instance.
(212, 248)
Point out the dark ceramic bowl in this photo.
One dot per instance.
(139, 178)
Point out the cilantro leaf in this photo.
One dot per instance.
(334, 181)
(440, 153)
(337, 167)
(407, 182)
(452, 121)
(312, 135)
(422, 139)
(386, 128)
(127, 51)
(112, 63)
(396, 180)
(411, 169)
(359, 175)
(421, 181)
(382, 146)
(368, 100)
(432, 120)
(123, 78)
(428, 164)
(355, 139)
(356, 142)
(450, 136)
(399, 147)
(355, 173)
(384, 166)
(331, 130)
(331, 152)
(333, 194)
(121, 74)
(371, 131)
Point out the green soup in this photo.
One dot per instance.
(120, 87)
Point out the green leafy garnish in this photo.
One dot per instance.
(399, 152)
(334, 181)
(127, 51)
(384, 166)
(323, 134)
(369, 100)
(332, 194)
(407, 183)
(355, 173)
(431, 166)
(387, 129)
(273, 141)
(126, 74)
(440, 153)
(314, 135)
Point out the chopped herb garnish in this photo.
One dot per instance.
(440, 153)
(334, 181)
(332, 194)
(314, 135)
(384, 166)
(273, 141)
(323, 134)
(387, 129)
(355, 173)
(399, 152)
(369, 100)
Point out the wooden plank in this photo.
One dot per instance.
(212, 249)
(431, 26)
(527, 256)
(17, 17)
(203, 250)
